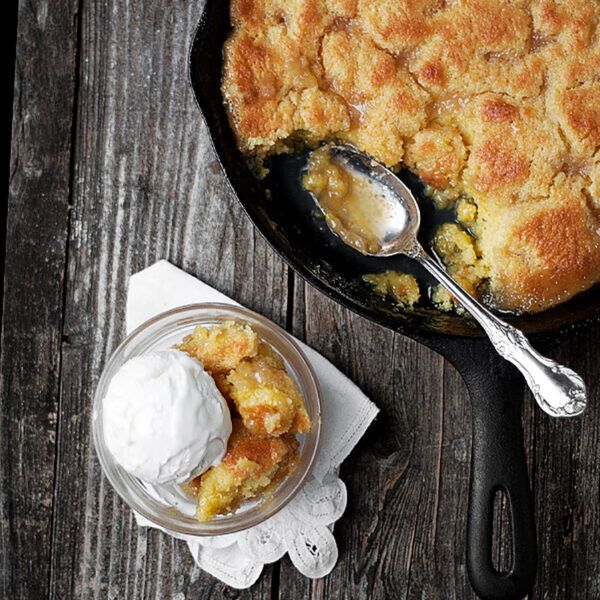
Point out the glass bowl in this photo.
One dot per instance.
(167, 506)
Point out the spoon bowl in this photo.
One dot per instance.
(395, 215)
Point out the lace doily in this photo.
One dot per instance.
(303, 528)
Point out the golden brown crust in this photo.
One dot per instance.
(252, 467)
(547, 252)
(578, 112)
(514, 150)
(439, 155)
(498, 109)
(495, 101)
(221, 348)
(266, 397)
(498, 166)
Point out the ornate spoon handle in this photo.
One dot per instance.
(558, 390)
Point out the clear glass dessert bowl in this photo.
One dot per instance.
(167, 506)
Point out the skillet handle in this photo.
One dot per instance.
(498, 463)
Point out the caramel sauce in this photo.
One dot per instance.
(353, 207)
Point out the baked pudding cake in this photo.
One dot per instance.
(267, 412)
(494, 104)
(253, 467)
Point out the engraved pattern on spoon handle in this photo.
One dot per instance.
(558, 390)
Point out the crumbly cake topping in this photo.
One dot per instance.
(497, 101)
(267, 412)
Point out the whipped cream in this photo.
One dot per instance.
(164, 419)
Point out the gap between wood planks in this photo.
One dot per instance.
(73, 140)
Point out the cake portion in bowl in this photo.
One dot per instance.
(267, 413)
(252, 377)
(252, 467)
(495, 105)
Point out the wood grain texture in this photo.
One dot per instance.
(144, 184)
(567, 486)
(38, 199)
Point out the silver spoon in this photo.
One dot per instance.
(395, 219)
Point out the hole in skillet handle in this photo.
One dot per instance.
(502, 535)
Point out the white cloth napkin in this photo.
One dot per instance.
(303, 528)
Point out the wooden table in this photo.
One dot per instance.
(112, 170)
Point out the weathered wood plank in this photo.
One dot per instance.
(32, 319)
(146, 187)
(567, 486)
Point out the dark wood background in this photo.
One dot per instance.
(111, 170)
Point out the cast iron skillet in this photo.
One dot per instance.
(285, 216)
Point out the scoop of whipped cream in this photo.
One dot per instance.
(164, 419)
